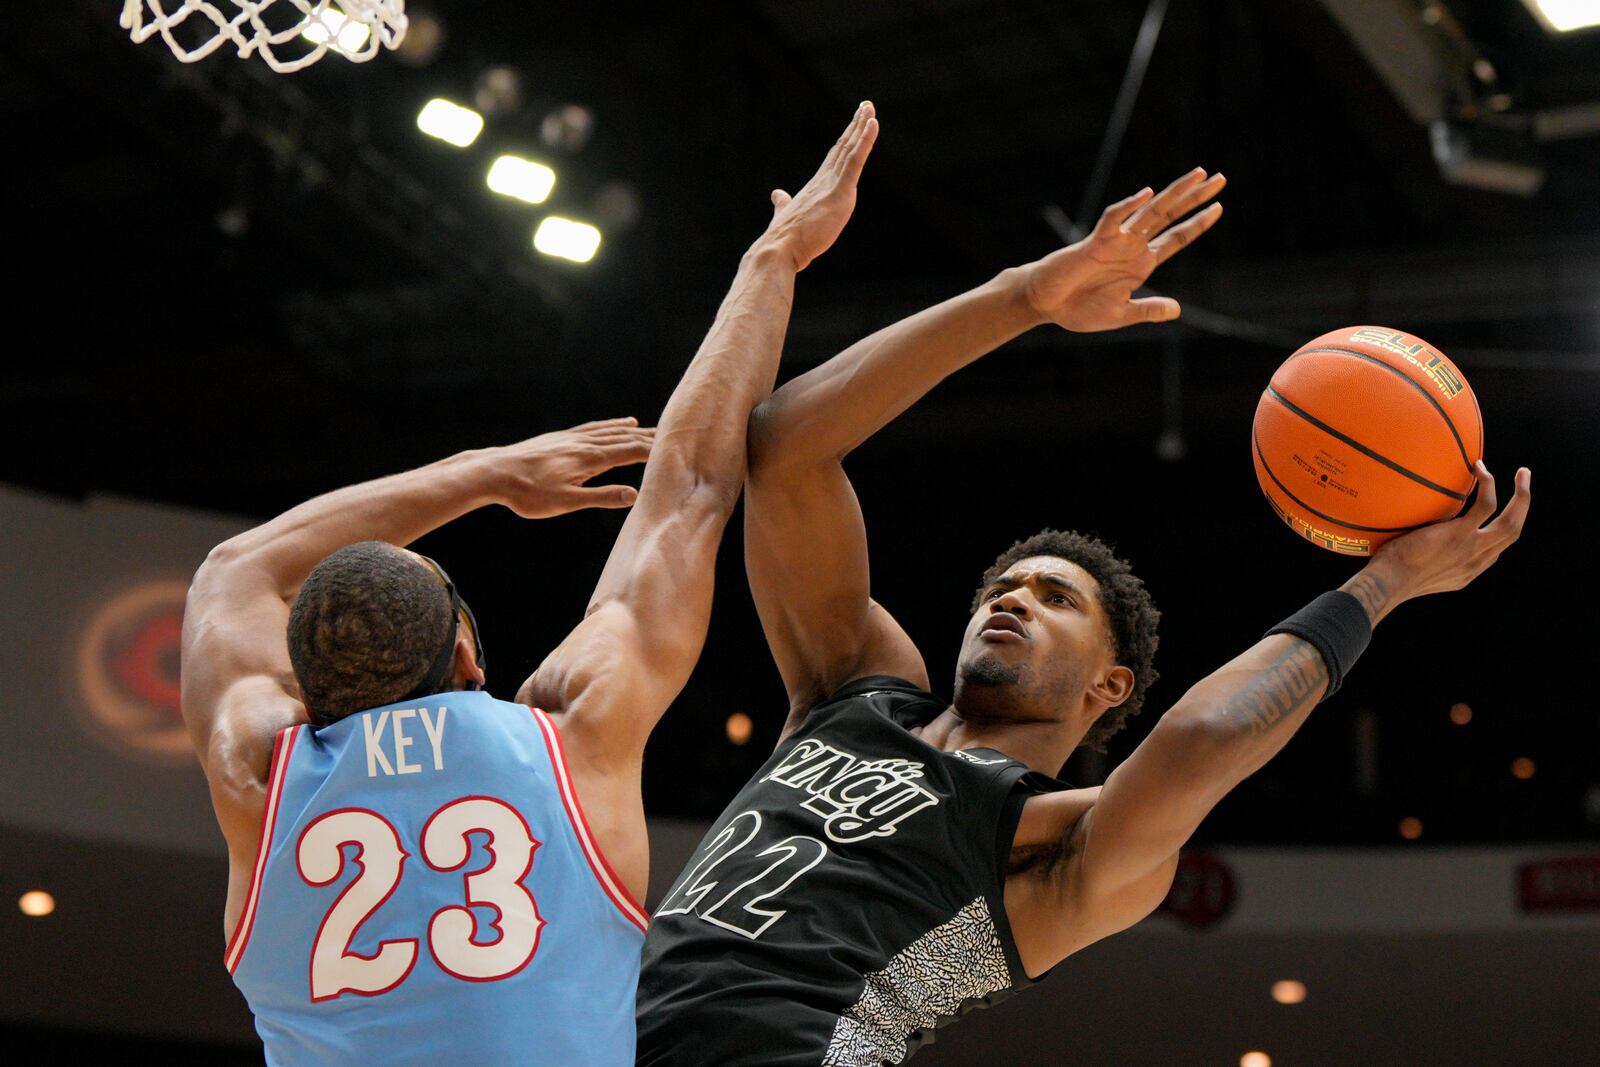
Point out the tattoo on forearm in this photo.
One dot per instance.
(1282, 688)
(1372, 592)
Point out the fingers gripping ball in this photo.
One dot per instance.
(1363, 434)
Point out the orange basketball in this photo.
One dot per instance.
(1366, 433)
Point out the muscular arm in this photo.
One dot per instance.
(614, 676)
(616, 673)
(1235, 720)
(238, 689)
(805, 544)
(237, 686)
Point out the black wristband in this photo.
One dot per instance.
(1336, 625)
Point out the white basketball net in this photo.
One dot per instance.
(302, 29)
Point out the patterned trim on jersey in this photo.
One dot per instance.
(931, 978)
(282, 745)
(591, 849)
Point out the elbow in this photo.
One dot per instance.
(1193, 725)
(222, 560)
(775, 442)
(236, 563)
(1198, 744)
(1210, 747)
(761, 439)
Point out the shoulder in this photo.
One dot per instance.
(894, 689)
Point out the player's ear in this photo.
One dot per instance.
(467, 672)
(1114, 686)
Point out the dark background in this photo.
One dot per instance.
(233, 290)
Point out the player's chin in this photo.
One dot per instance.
(988, 666)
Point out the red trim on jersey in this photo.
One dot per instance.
(282, 746)
(603, 873)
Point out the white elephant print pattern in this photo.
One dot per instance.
(958, 960)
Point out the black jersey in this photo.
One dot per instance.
(849, 900)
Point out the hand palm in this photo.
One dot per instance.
(1445, 556)
(1089, 286)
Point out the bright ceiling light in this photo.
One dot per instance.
(36, 903)
(1564, 16)
(450, 122)
(336, 28)
(522, 178)
(566, 239)
(1255, 1059)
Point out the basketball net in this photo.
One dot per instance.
(303, 29)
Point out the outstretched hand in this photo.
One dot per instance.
(544, 476)
(808, 222)
(1447, 555)
(1089, 285)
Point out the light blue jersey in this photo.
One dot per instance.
(427, 891)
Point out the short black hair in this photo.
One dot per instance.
(1130, 612)
(368, 624)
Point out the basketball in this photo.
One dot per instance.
(1363, 434)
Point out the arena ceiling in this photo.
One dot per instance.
(235, 290)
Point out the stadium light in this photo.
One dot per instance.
(338, 30)
(566, 239)
(522, 178)
(36, 903)
(450, 122)
(1564, 16)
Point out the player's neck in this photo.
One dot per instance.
(1043, 743)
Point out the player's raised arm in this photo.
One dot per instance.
(805, 544)
(1236, 719)
(616, 673)
(238, 688)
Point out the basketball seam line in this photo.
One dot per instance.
(1403, 376)
(1363, 449)
(1256, 441)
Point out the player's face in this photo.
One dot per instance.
(1038, 636)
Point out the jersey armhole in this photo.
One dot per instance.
(603, 874)
(282, 746)
(1005, 833)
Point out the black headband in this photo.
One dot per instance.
(439, 669)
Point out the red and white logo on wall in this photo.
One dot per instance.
(124, 670)
(1568, 883)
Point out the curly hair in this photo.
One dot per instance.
(1131, 615)
(365, 629)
